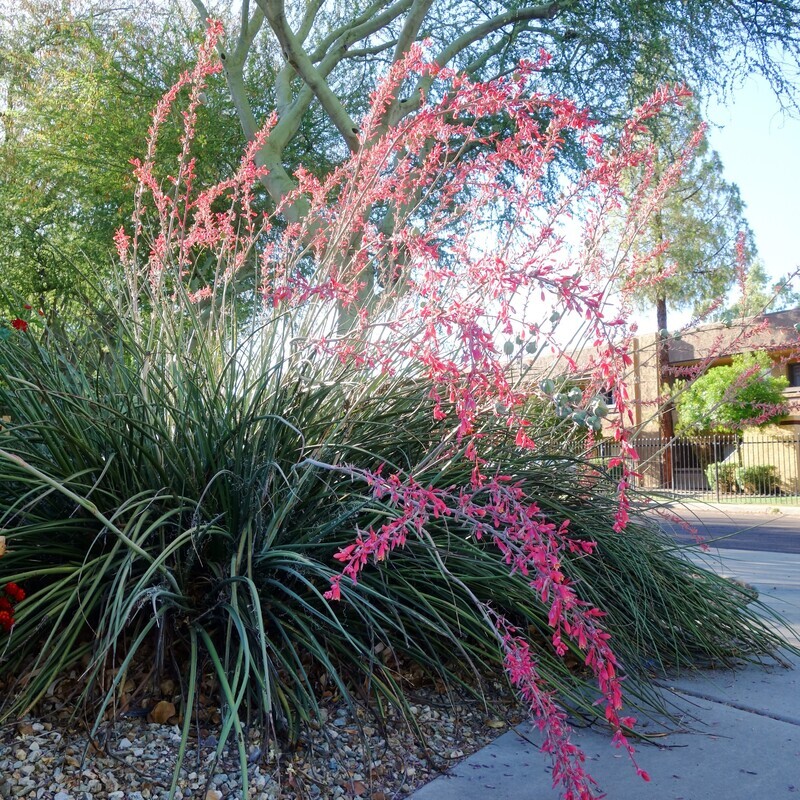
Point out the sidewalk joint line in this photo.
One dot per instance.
(733, 704)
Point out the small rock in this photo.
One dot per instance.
(161, 712)
(213, 794)
(125, 744)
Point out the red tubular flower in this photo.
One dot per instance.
(19, 324)
(5, 604)
(15, 592)
(6, 621)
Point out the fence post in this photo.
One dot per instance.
(796, 486)
(716, 464)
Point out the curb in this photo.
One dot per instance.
(732, 509)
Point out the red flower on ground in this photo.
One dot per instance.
(15, 592)
(19, 324)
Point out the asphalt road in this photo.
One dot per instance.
(769, 532)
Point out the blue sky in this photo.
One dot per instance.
(760, 149)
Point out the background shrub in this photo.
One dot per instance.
(722, 476)
(759, 479)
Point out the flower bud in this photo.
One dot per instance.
(548, 386)
(600, 408)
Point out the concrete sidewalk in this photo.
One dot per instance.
(743, 728)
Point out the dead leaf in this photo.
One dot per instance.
(495, 723)
(25, 729)
(161, 712)
(167, 687)
(358, 788)
(2, 545)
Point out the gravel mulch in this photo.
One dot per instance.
(47, 758)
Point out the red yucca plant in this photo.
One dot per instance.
(395, 261)
(436, 261)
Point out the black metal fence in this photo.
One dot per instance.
(722, 467)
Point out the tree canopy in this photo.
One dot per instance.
(728, 398)
(78, 85)
(79, 76)
(699, 238)
(757, 295)
(322, 59)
